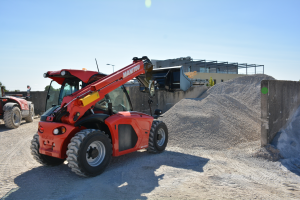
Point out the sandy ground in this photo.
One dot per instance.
(177, 173)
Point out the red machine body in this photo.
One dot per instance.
(13, 108)
(140, 122)
(56, 145)
(83, 75)
(23, 103)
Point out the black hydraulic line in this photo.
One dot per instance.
(150, 102)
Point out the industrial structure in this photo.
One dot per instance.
(204, 69)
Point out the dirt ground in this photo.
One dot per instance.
(177, 173)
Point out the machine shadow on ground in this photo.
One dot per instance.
(127, 177)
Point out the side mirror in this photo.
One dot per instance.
(158, 112)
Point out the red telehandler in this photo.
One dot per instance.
(14, 108)
(89, 119)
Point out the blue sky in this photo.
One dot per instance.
(38, 36)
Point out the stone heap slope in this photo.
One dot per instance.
(228, 115)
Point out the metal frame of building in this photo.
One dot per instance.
(217, 64)
(191, 65)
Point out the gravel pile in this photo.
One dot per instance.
(228, 115)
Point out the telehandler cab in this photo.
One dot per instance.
(89, 119)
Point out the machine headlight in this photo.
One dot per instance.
(45, 75)
(55, 131)
(59, 130)
(63, 73)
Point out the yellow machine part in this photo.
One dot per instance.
(89, 98)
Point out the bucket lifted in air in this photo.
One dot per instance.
(169, 79)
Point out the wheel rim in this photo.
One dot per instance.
(16, 117)
(93, 147)
(161, 133)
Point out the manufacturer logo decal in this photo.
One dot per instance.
(131, 71)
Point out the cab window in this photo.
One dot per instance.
(119, 101)
(69, 87)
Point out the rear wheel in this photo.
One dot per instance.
(29, 118)
(89, 152)
(41, 158)
(12, 118)
(158, 137)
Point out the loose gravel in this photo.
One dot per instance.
(226, 115)
(210, 156)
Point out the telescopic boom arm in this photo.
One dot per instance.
(75, 105)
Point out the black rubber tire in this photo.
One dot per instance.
(9, 117)
(77, 150)
(29, 118)
(153, 146)
(41, 158)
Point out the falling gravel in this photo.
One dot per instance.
(226, 115)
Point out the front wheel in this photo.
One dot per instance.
(12, 118)
(158, 137)
(89, 152)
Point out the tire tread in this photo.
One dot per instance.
(8, 118)
(29, 118)
(151, 145)
(74, 147)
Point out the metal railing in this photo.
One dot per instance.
(207, 66)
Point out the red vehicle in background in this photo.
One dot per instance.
(15, 108)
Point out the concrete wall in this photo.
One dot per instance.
(277, 106)
(163, 100)
(38, 98)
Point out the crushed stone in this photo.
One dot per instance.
(177, 173)
(226, 115)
